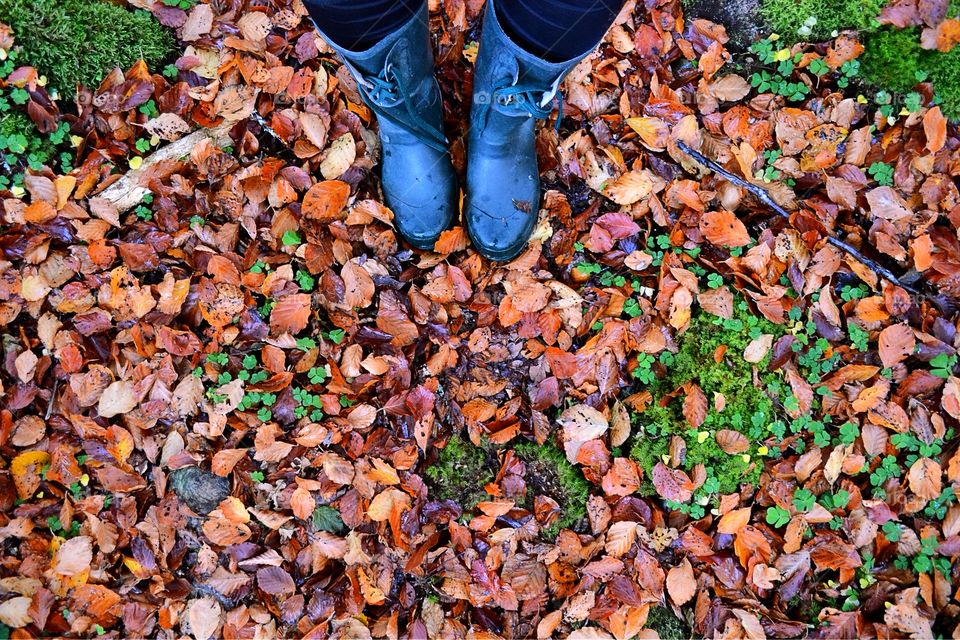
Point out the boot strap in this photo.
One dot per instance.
(518, 100)
(387, 91)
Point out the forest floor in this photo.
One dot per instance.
(243, 408)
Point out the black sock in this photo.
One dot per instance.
(357, 25)
(557, 30)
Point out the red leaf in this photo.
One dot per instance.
(618, 224)
(672, 484)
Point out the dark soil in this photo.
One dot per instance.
(740, 17)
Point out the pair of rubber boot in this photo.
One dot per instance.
(512, 89)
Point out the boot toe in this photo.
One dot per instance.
(499, 237)
(503, 200)
(421, 190)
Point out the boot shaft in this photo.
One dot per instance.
(510, 82)
(395, 78)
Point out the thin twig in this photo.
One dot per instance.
(53, 398)
(266, 127)
(764, 196)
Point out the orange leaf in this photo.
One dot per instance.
(733, 521)
(681, 583)
(326, 200)
(896, 344)
(935, 128)
(388, 501)
(694, 405)
(302, 503)
(723, 228)
(926, 478)
(290, 314)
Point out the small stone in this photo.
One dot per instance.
(201, 490)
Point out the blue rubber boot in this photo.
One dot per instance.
(512, 89)
(396, 80)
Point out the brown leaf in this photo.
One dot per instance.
(623, 479)
(887, 204)
(302, 503)
(951, 397)
(204, 617)
(339, 157)
(620, 537)
(358, 286)
(896, 343)
(681, 583)
(729, 88)
(672, 484)
(935, 128)
(733, 521)
(275, 581)
(653, 132)
(732, 442)
(758, 348)
(580, 423)
(117, 399)
(695, 406)
(386, 503)
(199, 22)
(74, 556)
(631, 187)
(290, 314)
(926, 478)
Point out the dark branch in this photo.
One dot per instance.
(763, 196)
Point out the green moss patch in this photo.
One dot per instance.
(667, 625)
(892, 61)
(549, 473)
(814, 20)
(749, 410)
(463, 469)
(77, 41)
(461, 473)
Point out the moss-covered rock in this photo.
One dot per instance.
(748, 409)
(77, 41)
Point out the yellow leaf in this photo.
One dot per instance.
(382, 506)
(25, 469)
